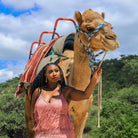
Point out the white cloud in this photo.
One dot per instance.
(17, 33)
(20, 4)
(12, 70)
(12, 48)
(5, 75)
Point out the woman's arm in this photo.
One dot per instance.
(78, 95)
(34, 98)
(33, 101)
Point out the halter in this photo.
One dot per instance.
(88, 50)
(90, 53)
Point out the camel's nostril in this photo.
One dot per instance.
(111, 37)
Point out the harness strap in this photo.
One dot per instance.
(89, 52)
(60, 55)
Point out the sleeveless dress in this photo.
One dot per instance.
(53, 119)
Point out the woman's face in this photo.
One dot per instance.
(52, 73)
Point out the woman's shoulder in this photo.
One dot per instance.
(66, 90)
(36, 91)
(35, 96)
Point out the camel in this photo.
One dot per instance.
(105, 39)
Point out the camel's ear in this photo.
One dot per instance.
(78, 17)
(103, 15)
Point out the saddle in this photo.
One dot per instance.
(41, 57)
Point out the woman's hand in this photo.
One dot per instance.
(97, 73)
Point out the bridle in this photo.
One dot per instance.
(89, 52)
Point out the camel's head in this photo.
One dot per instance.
(104, 39)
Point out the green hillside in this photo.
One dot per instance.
(119, 114)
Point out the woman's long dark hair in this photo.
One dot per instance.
(40, 79)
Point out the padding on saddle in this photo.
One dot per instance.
(62, 44)
(31, 67)
(69, 42)
(41, 57)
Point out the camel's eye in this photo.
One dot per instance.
(90, 29)
(112, 27)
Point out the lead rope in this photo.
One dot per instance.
(100, 92)
(99, 99)
(91, 64)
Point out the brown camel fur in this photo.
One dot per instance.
(105, 39)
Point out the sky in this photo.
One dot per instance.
(22, 22)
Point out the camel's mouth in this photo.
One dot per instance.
(111, 45)
(105, 44)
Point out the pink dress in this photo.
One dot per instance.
(53, 119)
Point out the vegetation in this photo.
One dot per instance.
(119, 114)
(11, 111)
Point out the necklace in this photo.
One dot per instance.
(51, 93)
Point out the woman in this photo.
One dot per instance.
(50, 99)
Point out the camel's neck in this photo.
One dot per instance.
(80, 74)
